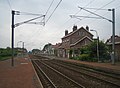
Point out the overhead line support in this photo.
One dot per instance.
(113, 29)
(12, 26)
(95, 14)
(15, 25)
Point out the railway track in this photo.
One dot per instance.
(115, 81)
(102, 75)
(89, 80)
(90, 69)
(55, 79)
(47, 83)
(87, 77)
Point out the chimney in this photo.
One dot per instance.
(74, 27)
(66, 32)
(87, 28)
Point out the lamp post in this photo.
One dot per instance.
(18, 43)
(22, 46)
(97, 45)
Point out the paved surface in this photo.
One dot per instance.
(22, 75)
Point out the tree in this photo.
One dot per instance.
(103, 50)
(46, 46)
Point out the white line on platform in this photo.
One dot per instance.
(24, 63)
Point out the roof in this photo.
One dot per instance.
(62, 46)
(117, 40)
(71, 33)
(81, 40)
(112, 43)
(56, 46)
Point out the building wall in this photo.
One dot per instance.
(72, 39)
(82, 43)
(66, 42)
(117, 46)
(117, 50)
(79, 35)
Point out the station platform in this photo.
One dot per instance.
(21, 75)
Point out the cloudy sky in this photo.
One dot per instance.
(36, 36)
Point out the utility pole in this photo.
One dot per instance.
(113, 36)
(13, 14)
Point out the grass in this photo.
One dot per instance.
(4, 58)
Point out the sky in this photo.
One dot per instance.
(36, 36)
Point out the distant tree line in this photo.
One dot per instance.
(7, 52)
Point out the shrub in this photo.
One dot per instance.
(71, 57)
(84, 57)
(75, 58)
(93, 59)
(70, 54)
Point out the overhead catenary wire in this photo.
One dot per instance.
(84, 17)
(32, 36)
(85, 6)
(9, 4)
(105, 5)
(66, 22)
(97, 9)
(102, 6)
(53, 11)
(49, 7)
(17, 24)
(79, 11)
(42, 20)
(29, 21)
(95, 14)
(27, 13)
(117, 7)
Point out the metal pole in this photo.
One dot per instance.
(97, 44)
(13, 13)
(23, 49)
(98, 48)
(113, 36)
(18, 43)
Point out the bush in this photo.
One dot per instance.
(84, 57)
(75, 58)
(71, 57)
(93, 59)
